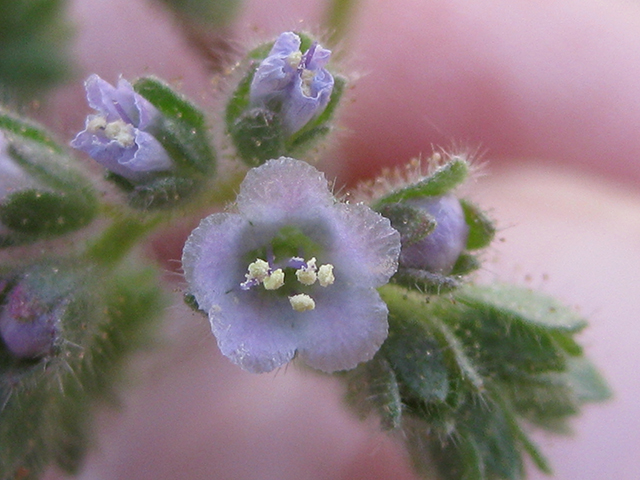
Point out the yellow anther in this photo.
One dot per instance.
(258, 270)
(274, 281)
(302, 302)
(325, 275)
(307, 275)
(121, 132)
(294, 59)
(96, 124)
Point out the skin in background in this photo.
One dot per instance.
(551, 82)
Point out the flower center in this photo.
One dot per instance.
(286, 273)
(117, 130)
(306, 274)
(300, 62)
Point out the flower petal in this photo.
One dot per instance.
(349, 326)
(283, 188)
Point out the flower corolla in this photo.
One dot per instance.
(121, 135)
(293, 272)
(294, 84)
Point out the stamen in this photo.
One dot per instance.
(121, 132)
(294, 59)
(274, 281)
(257, 272)
(307, 274)
(302, 302)
(325, 275)
(96, 124)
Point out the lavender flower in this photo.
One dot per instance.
(294, 82)
(439, 250)
(293, 271)
(120, 137)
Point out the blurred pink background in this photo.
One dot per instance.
(547, 91)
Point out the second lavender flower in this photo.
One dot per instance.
(285, 101)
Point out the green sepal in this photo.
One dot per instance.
(257, 135)
(47, 403)
(183, 131)
(412, 223)
(44, 214)
(425, 281)
(465, 264)
(372, 387)
(159, 192)
(481, 228)
(56, 199)
(445, 178)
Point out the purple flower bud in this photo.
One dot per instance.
(439, 250)
(120, 136)
(296, 82)
(27, 326)
(293, 271)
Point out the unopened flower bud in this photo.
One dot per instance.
(28, 326)
(438, 251)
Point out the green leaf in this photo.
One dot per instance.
(55, 199)
(522, 305)
(27, 129)
(416, 358)
(441, 181)
(481, 228)
(586, 382)
(43, 214)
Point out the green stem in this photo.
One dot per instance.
(337, 19)
(119, 238)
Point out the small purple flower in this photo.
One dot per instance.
(28, 327)
(293, 271)
(438, 251)
(120, 137)
(297, 81)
